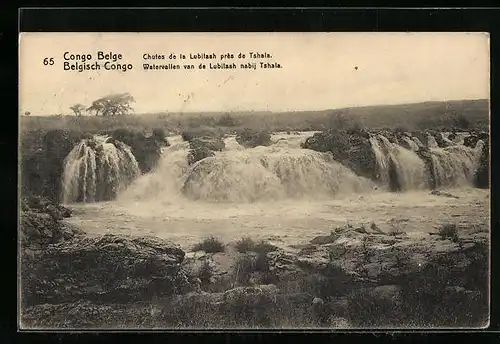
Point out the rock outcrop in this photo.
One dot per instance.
(204, 147)
(251, 138)
(352, 149)
(104, 268)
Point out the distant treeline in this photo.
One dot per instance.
(460, 114)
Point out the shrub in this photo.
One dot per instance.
(243, 269)
(210, 245)
(245, 244)
(205, 273)
(449, 231)
(262, 249)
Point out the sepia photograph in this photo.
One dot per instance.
(263, 180)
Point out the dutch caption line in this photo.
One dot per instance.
(208, 61)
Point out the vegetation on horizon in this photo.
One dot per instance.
(429, 115)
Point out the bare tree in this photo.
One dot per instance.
(78, 109)
(115, 104)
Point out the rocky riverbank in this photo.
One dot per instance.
(354, 276)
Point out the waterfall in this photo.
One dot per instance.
(412, 144)
(455, 165)
(271, 173)
(398, 168)
(97, 170)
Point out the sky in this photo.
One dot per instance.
(319, 70)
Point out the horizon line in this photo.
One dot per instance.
(221, 111)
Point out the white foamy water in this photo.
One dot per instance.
(279, 193)
(455, 165)
(97, 170)
(409, 168)
(246, 175)
(451, 166)
(270, 173)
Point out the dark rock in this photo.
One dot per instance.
(204, 147)
(198, 154)
(44, 205)
(42, 156)
(40, 229)
(213, 143)
(482, 175)
(442, 193)
(249, 138)
(110, 267)
(146, 150)
(351, 149)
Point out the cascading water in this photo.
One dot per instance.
(455, 165)
(166, 180)
(401, 168)
(237, 174)
(97, 170)
(431, 141)
(249, 175)
(231, 144)
(418, 142)
(398, 168)
(412, 144)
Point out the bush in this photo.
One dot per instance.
(210, 245)
(449, 231)
(243, 269)
(205, 273)
(262, 249)
(245, 244)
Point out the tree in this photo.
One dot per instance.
(78, 109)
(115, 104)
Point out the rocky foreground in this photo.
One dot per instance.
(351, 277)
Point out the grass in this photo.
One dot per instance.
(210, 245)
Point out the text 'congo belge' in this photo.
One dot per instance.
(105, 60)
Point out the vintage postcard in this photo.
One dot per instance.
(254, 180)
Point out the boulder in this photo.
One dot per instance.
(350, 148)
(204, 147)
(147, 150)
(38, 230)
(109, 267)
(482, 174)
(44, 205)
(250, 138)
